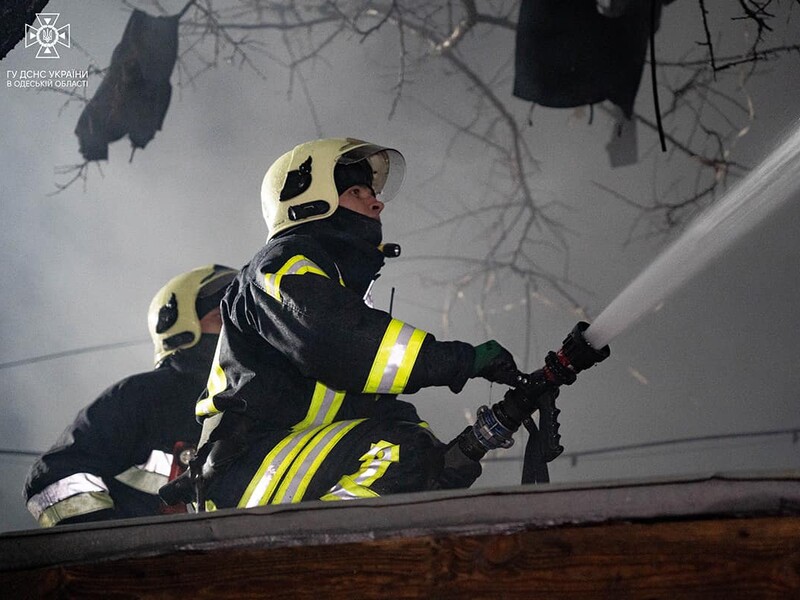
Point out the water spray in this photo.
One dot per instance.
(766, 188)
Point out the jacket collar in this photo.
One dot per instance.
(195, 360)
(352, 241)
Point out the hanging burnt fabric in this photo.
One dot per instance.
(135, 93)
(569, 54)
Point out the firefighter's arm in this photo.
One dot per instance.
(69, 483)
(328, 332)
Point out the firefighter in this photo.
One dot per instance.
(120, 449)
(301, 403)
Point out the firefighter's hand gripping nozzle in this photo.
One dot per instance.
(494, 427)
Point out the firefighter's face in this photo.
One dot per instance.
(361, 199)
(211, 322)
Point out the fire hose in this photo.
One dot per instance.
(495, 426)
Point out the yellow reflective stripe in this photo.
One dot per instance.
(297, 265)
(341, 281)
(296, 482)
(395, 358)
(271, 287)
(376, 462)
(382, 356)
(210, 506)
(272, 468)
(325, 404)
(217, 382)
(205, 408)
(374, 465)
(144, 481)
(347, 489)
(80, 504)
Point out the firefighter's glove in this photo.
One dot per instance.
(495, 363)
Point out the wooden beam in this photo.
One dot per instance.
(703, 558)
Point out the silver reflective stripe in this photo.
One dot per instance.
(159, 462)
(297, 265)
(273, 469)
(328, 400)
(309, 461)
(79, 483)
(287, 470)
(368, 294)
(376, 462)
(322, 410)
(374, 465)
(74, 506)
(396, 357)
(149, 476)
(302, 264)
(340, 492)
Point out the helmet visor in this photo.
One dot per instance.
(388, 168)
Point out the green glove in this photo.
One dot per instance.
(495, 363)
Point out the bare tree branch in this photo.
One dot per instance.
(707, 110)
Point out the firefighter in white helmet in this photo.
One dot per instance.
(120, 449)
(301, 402)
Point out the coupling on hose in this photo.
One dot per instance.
(490, 432)
(495, 427)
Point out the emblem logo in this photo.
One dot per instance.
(297, 181)
(47, 35)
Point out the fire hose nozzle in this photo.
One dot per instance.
(578, 353)
(530, 392)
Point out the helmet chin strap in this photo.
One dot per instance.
(389, 250)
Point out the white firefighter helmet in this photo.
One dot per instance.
(173, 319)
(300, 186)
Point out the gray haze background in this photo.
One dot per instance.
(78, 269)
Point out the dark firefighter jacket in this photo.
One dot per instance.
(299, 346)
(110, 462)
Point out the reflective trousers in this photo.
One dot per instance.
(343, 460)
